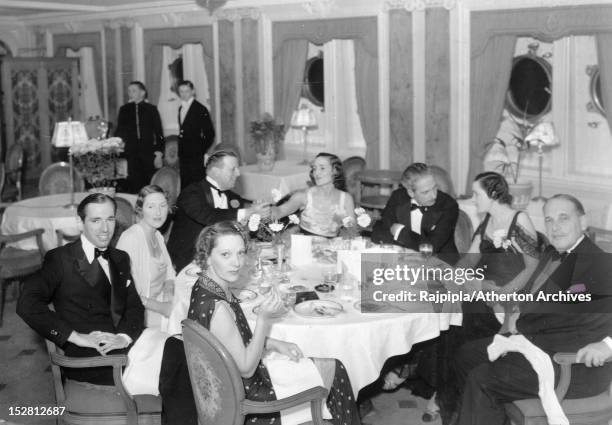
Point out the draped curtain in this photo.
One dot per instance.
(288, 72)
(195, 70)
(88, 96)
(604, 55)
(366, 85)
(155, 61)
(75, 41)
(490, 77)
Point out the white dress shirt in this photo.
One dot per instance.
(185, 105)
(220, 199)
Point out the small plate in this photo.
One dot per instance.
(244, 295)
(276, 315)
(319, 309)
(374, 308)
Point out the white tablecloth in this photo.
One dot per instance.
(45, 212)
(287, 176)
(363, 342)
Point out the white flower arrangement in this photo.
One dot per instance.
(95, 160)
(500, 240)
(350, 225)
(274, 228)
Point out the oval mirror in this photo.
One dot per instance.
(314, 87)
(595, 91)
(176, 73)
(529, 92)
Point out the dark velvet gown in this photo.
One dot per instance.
(258, 387)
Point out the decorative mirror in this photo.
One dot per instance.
(313, 88)
(596, 104)
(529, 92)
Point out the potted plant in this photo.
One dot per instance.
(266, 136)
(505, 157)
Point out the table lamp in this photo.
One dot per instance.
(305, 120)
(65, 135)
(542, 136)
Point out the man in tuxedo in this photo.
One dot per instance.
(206, 202)
(140, 127)
(97, 308)
(418, 213)
(574, 264)
(196, 135)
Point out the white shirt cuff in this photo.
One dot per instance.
(398, 231)
(241, 215)
(126, 337)
(608, 342)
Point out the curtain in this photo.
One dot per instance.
(489, 82)
(154, 63)
(288, 73)
(167, 101)
(194, 70)
(604, 55)
(366, 82)
(88, 96)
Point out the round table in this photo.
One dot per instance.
(362, 341)
(46, 212)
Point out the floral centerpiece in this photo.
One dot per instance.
(352, 226)
(96, 159)
(266, 136)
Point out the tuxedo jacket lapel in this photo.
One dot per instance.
(404, 213)
(430, 219)
(118, 287)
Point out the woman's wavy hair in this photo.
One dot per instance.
(337, 170)
(208, 239)
(144, 192)
(495, 186)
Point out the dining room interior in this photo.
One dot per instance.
(519, 87)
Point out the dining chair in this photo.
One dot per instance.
(375, 180)
(56, 179)
(17, 263)
(124, 218)
(463, 232)
(443, 180)
(13, 168)
(580, 411)
(171, 158)
(601, 237)
(217, 385)
(169, 180)
(351, 166)
(63, 237)
(87, 404)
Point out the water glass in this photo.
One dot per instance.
(289, 297)
(330, 278)
(345, 288)
(426, 250)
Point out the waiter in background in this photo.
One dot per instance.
(140, 127)
(196, 135)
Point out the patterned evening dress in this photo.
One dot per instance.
(258, 387)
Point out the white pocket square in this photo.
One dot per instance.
(127, 283)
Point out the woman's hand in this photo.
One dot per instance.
(271, 305)
(287, 348)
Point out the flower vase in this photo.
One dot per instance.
(106, 190)
(265, 160)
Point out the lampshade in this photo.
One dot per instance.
(68, 133)
(303, 117)
(543, 133)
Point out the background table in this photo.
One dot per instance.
(45, 212)
(362, 341)
(287, 176)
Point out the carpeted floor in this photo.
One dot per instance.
(25, 379)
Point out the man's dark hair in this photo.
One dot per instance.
(216, 158)
(569, 198)
(415, 171)
(94, 198)
(186, 83)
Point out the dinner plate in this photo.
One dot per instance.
(372, 307)
(319, 309)
(276, 315)
(244, 295)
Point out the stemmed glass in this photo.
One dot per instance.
(426, 250)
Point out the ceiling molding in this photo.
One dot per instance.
(57, 6)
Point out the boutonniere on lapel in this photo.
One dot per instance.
(432, 228)
(234, 203)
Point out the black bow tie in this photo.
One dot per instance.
(558, 256)
(100, 253)
(219, 191)
(419, 207)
